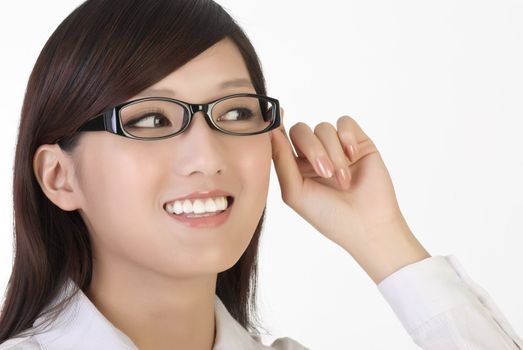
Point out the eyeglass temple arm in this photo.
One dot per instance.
(105, 121)
(95, 124)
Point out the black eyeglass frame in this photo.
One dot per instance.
(110, 119)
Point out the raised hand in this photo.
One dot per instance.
(347, 196)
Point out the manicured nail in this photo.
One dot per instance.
(323, 165)
(343, 177)
(351, 151)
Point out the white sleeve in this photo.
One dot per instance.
(442, 308)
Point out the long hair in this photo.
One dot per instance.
(104, 52)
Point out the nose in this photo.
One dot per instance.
(199, 150)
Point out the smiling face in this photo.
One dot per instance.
(125, 183)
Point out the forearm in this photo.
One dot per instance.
(386, 249)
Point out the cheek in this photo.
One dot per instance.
(122, 178)
(119, 188)
(253, 164)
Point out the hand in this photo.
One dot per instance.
(358, 211)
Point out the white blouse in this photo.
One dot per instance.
(434, 299)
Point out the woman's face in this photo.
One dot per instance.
(125, 183)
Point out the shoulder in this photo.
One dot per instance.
(20, 343)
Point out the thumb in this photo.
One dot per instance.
(289, 175)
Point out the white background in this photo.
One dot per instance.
(437, 85)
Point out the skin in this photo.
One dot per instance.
(168, 271)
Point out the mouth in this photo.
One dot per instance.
(198, 213)
(199, 207)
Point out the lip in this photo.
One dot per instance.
(200, 195)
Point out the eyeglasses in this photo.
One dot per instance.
(154, 118)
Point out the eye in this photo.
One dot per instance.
(237, 114)
(149, 120)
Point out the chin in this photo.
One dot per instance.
(222, 260)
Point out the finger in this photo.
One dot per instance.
(351, 134)
(328, 136)
(307, 143)
(289, 175)
(307, 170)
(299, 153)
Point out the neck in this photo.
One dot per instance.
(156, 311)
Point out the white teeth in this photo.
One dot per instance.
(187, 206)
(177, 208)
(210, 206)
(198, 206)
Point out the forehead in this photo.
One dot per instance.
(217, 70)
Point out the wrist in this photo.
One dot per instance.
(387, 249)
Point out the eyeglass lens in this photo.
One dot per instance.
(158, 118)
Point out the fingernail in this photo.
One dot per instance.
(343, 176)
(351, 151)
(323, 165)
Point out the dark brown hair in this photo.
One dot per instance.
(105, 52)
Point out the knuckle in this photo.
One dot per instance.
(339, 161)
(323, 126)
(345, 121)
(300, 125)
(346, 118)
(296, 127)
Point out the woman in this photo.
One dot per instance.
(138, 217)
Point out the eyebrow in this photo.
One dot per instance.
(240, 82)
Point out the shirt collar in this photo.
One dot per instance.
(82, 326)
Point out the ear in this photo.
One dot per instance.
(54, 171)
